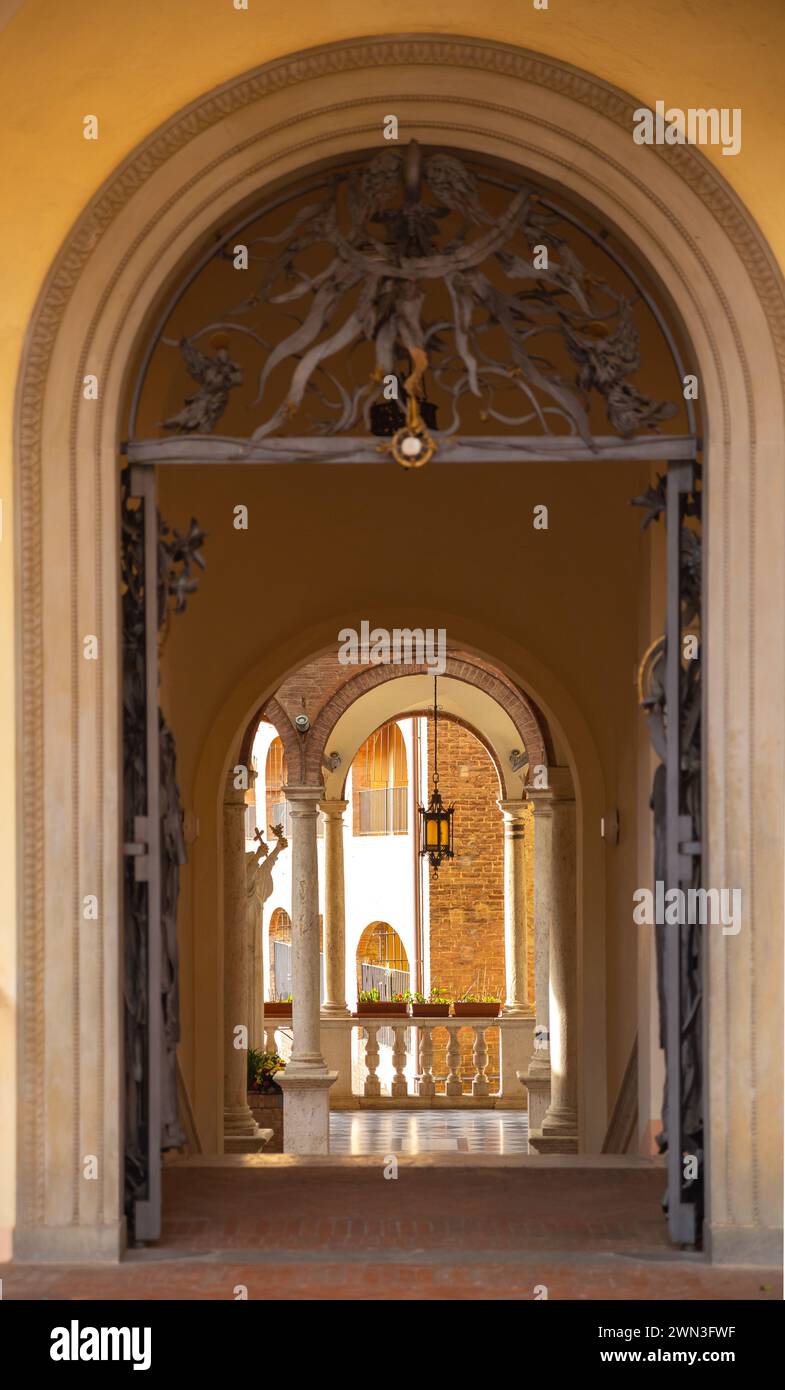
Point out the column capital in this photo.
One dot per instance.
(560, 788)
(299, 797)
(234, 796)
(513, 810)
(333, 810)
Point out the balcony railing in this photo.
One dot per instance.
(408, 1072)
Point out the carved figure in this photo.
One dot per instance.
(216, 376)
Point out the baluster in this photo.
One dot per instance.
(399, 1085)
(269, 1037)
(373, 1086)
(480, 1085)
(453, 1085)
(427, 1083)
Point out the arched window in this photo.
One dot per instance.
(274, 782)
(280, 954)
(250, 808)
(382, 962)
(380, 784)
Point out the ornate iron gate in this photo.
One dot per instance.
(671, 692)
(156, 569)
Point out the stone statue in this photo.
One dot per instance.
(259, 865)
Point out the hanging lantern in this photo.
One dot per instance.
(436, 822)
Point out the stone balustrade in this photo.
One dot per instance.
(354, 1049)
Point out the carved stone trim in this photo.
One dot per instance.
(388, 52)
(512, 702)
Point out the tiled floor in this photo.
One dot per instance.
(428, 1131)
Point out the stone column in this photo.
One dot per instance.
(517, 1004)
(241, 1133)
(334, 910)
(559, 1130)
(306, 1081)
(253, 912)
(537, 1079)
(256, 974)
(336, 1035)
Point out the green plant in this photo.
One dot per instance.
(477, 999)
(262, 1067)
(438, 996)
(369, 996)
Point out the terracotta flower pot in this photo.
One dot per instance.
(385, 1007)
(429, 1010)
(277, 1009)
(485, 1010)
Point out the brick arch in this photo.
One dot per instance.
(529, 724)
(274, 713)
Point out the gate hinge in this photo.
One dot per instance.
(138, 849)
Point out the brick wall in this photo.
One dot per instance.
(467, 897)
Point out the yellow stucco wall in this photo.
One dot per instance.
(134, 64)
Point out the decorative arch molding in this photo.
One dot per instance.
(305, 755)
(516, 706)
(104, 286)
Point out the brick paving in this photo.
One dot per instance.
(341, 1231)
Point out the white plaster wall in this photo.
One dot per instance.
(378, 873)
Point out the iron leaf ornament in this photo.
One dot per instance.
(391, 236)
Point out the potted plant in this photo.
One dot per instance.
(262, 1067)
(368, 1002)
(476, 1006)
(436, 1005)
(279, 1008)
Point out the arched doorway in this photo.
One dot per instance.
(120, 277)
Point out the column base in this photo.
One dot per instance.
(70, 1244)
(515, 1037)
(334, 1011)
(238, 1121)
(336, 1039)
(558, 1134)
(306, 1108)
(247, 1143)
(540, 1064)
(538, 1088)
(553, 1143)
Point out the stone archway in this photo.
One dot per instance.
(712, 261)
(530, 726)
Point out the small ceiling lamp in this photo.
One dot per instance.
(436, 821)
(411, 445)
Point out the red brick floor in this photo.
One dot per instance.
(439, 1232)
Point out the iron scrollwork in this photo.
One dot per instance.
(684, 1068)
(178, 555)
(409, 261)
